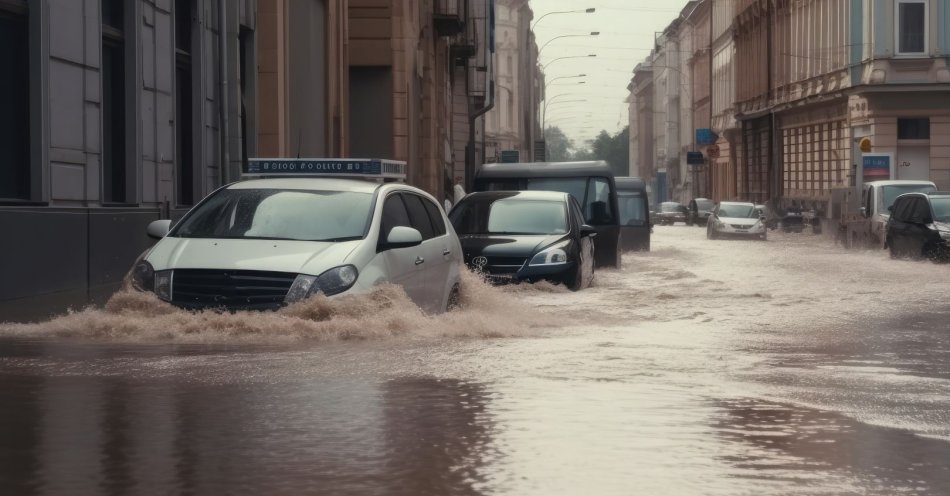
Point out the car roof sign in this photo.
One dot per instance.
(365, 168)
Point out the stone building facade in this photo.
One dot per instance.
(120, 112)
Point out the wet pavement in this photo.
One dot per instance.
(704, 367)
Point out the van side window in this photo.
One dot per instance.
(598, 200)
(901, 210)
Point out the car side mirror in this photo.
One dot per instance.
(890, 208)
(402, 237)
(588, 231)
(158, 228)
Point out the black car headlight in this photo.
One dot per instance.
(143, 276)
(331, 282)
(552, 255)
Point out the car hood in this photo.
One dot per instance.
(497, 245)
(302, 257)
(742, 221)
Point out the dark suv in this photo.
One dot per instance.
(699, 210)
(919, 226)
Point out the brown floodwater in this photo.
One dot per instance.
(786, 367)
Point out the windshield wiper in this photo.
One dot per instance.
(338, 240)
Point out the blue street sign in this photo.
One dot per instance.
(705, 136)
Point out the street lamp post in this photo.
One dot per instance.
(545, 67)
(585, 11)
(592, 33)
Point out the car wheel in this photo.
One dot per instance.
(455, 299)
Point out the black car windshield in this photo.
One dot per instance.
(510, 216)
(632, 208)
(941, 206)
(704, 205)
(738, 211)
(280, 214)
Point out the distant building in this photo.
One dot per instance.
(512, 125)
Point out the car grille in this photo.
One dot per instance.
(740, 226)
(230, 289)
(505, 265)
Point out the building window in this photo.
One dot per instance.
(511, 111)
(15, 101)
(114, 135)
(184, 106)
(913, 129)
(911, 26)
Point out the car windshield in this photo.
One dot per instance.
(670, 207)
(941, 206)
(510, 216)
(738, 211)
(890, 193)
(592, 193)
(704, 205)
(280, 214)
(632, 208)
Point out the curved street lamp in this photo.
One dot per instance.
(564, 77)
(545, 66)
(592, 33)
(585, 11)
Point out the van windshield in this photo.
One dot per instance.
(941, 206)
(890, 193)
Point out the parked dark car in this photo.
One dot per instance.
(635, 225)
(513, 236)
(669, 213)
(699, 210)
(793, 220)
(919, 226)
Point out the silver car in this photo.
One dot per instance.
(738, 220)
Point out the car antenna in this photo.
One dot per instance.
(299, 134)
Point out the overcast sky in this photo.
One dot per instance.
(626, 37)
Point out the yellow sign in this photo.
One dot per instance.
(865, 145)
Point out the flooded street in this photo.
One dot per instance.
(704, 367)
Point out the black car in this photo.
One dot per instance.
(699, 210)
(513, 236)
(919, 226)
(669, 213)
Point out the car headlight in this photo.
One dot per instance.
(163, 284)
(554, 255)
(143, 276)
(331, 282)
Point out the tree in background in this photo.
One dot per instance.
(558, 145)
(615, 150)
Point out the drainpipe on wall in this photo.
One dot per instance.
(223, 107)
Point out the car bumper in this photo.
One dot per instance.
(729, 231)
(531, 273)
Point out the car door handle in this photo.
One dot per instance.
(446, 252)
(420, 260)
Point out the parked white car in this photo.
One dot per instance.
(266, 242)
(736, 219)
